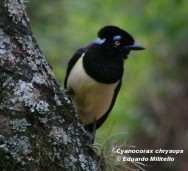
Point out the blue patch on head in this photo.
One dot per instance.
(99, 41)
(118, 37)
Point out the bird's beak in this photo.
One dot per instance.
(135, 46)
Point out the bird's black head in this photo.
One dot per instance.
(117, 41)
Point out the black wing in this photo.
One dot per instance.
(72, 62)
(104, 117)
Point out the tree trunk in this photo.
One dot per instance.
(39, 129)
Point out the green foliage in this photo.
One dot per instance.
(61, 27)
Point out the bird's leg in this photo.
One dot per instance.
(93, 132)
(91, 129)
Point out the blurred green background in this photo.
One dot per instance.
(152, 107)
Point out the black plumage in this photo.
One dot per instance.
(94, 74)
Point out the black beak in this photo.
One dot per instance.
(135, 46)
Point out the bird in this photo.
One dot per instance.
(94, 75)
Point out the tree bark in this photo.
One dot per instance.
(39, 129)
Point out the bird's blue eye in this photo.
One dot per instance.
(117, 41)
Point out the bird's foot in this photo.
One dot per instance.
(68, 92)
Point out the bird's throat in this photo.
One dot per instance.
(104, 69)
